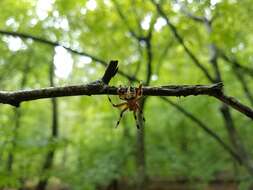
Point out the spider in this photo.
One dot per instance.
(131, 98)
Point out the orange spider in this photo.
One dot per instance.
(131, 98)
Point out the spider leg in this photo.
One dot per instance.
(136, 120)
(141, 113)
(117, 105)
(139, 98)
(139, 90)
(120, 117)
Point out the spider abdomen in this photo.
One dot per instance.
(133, 105)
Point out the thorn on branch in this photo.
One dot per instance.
(15, 103)
(110, 71)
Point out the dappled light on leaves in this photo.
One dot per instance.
(43, 7)
(63, 62)
(14, 43)
(194, 59)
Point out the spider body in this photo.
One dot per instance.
(132, 105)
(131, 96)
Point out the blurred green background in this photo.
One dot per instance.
(71, 142)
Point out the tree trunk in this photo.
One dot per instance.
(54, 134)
(140, 153)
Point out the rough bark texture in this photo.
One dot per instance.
(98, 88)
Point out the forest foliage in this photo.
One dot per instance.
(79, 132)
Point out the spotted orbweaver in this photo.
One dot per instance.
(131, 96)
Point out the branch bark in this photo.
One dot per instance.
(232, 102)
(99, 88)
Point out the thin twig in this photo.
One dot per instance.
(205, 128)
(232, 102)
(184, 10)
(225, 111)
(180, 39)
(51, 43)
(124, 19)
(235, 63)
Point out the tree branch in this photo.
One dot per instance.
(238, 69)
(235, 63)
(54, 44)
(241, 78)
(225, 111)
(184, 10)
(232, 102)
(110, 71)
(181, 41)
(98, 88)
(206, 129)
(124, 19)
